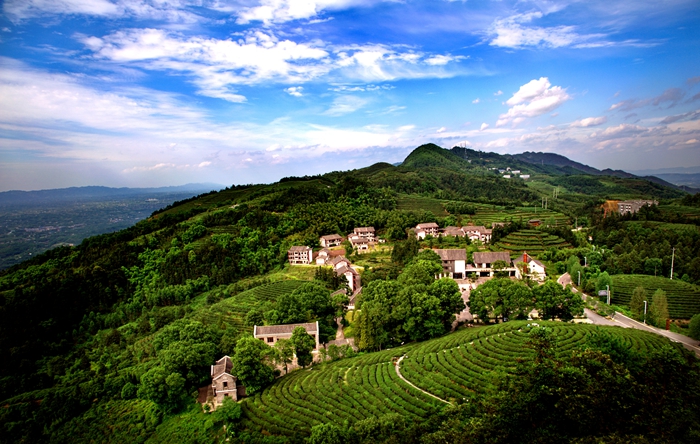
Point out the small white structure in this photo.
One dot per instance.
(535, 268)
(479, 233)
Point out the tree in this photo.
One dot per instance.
(328, 433)
(658, 311)
(249, 364)
(284, 352)
(500, 267)
(303, 344)
(604, 281)
(500, 297)
(639, 295)
(694, 327)
(553, 301)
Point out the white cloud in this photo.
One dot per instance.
(498, 93)
(590, 121)
(217, 66)
(484, 126)
(475, 101)
(295, 91)
(442, 59)
(441, 130)
(533, 99)
(169, 11)
(279, 11)
(510, 33)
(345, 105)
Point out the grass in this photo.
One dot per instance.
(683, 298)
(458, 365)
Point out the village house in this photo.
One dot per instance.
(270, 334)
(524, 176)
(359, 243)
(453, 231)
(300, 255)
(427, 229)
(535, 268)
(633, 206)
(483, 263)
(479, 233)
(453, 263)
(331, 240)
(223, 384)
(364, 233)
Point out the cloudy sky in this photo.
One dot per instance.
(166, 92)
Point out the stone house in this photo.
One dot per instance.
(359, 243)
(270, 334)
(453, 262)
(300, 255)
(330, 240)
(223, 383)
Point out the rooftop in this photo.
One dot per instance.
(261, 330)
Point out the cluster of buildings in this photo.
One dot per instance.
(486, 264)
(474, 233)
(508, 173)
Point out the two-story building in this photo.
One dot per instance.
(526, 265)
(223, 383)
(484, 263)
(300, 255)
(365, 233)
(330, 240)
(427, 229)
(479, 233)
(453, 263)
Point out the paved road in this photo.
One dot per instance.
(621, 320)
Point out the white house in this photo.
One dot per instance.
(454, 262)
(535, 268)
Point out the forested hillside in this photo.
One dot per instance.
(119, 331)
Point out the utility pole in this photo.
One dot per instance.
(579, 278)
(608, 291)
(673, 256)
(645, 312)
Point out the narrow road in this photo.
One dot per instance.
(398, 372)
(621, 320)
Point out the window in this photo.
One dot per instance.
(270, 339)
(225, 384)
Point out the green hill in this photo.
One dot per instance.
(683, 298)
(115, 333)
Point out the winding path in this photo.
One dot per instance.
(398, 372)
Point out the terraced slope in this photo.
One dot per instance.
(454, 366)
(233, 310)
(469, 362)
(683, 298)
(532, 241)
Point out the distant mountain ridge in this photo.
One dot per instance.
(563, 161)
(17, 197)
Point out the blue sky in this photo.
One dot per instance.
(166, 92)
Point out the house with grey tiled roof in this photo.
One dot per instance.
(535, 269)
(223, 384)
(270, 334)
(453, 262)
(484, 260)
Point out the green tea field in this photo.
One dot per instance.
(454, 366)
(683, 298)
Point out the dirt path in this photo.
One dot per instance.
(398, 372)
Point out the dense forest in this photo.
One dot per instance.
(120, 330)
